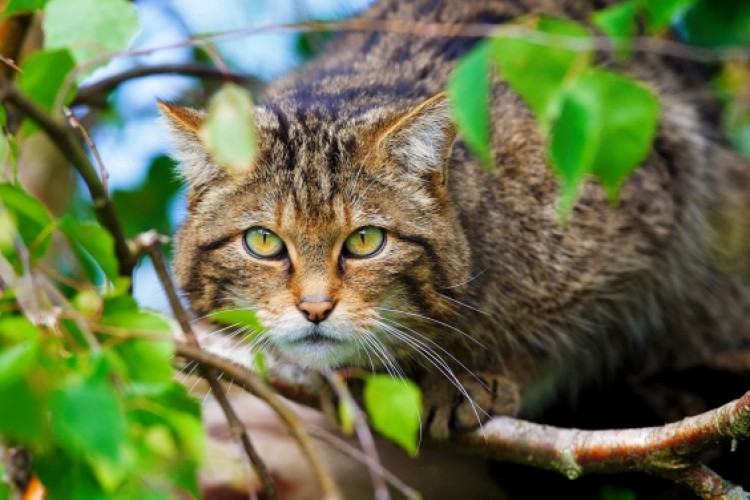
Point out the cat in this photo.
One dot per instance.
(365, 233)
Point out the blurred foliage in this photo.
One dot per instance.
(91, 377)
(147, 205)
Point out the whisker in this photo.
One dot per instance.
(396, 371)
(438, 362)
(426, 338)
(465, 282)
(462, 304)
(451, 327)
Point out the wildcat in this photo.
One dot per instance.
(364, 233)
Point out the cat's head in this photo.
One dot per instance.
(341, 236)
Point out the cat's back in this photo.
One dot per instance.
(650, 262)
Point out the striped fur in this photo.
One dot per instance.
(477, 270)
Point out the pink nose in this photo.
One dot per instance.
(316, 309)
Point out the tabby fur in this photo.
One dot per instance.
(479, 282)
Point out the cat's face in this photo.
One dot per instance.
(342, 238)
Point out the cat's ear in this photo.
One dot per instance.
(421, 140)
(184, 124)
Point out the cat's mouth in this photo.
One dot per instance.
(316, 347)
(316, 337)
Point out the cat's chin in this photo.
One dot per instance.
(317, 355)
(316, 350)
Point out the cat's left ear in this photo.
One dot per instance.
(184, 124)
(422, 139)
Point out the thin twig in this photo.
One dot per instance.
(221, 65)
(151, 243)
(349, 450)
(95, 93)
(76, 124)
(69, 146)
(10, 63)
(363, 433)
(244, 379)
(705, 483)
(660, 46)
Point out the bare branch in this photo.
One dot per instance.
(344, 447)
(76, 124)
(69, 146)
(668, 451)
(95, 94)
(661, 46)
(150, 242)
(246, 380)
(363, 433)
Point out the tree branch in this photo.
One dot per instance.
(670, 451)
(150, 242)
(364, 434)
(95, 94)
(244, 379)
(69, 146)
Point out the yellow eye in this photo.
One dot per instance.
(364, 242)
(263, 243)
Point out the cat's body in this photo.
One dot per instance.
(477, 269)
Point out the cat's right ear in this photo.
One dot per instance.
(184, 124)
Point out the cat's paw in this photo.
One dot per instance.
(448, 411)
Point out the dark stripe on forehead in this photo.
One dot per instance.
(334, 158)
(283, 135)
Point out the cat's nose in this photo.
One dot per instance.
(316, 309)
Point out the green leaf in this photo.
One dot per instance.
(469, 91)
(661, 13)
(43, 74)
(572, 144)
(540, 71)
(74, 480)
(16, 6)
(229, 129)
(619, 23)
(119, 304)
(606, 127)
(148, 205)
(87, 417)
(167, 407)
(238, 317)
(23, 420)
(7, 232)
(147, 361)
(14, 329)
(32, 219)
(91, 241)
(630, 120)
(89, 28)
(260, 365)
(4, 487)
(138, 321)
(393, 406)
(15, 361)
(717, 23)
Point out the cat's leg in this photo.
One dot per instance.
(448, 410)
